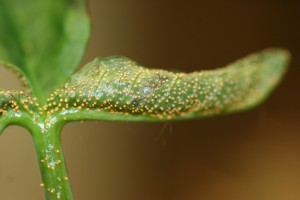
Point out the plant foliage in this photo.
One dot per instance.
(44, 41)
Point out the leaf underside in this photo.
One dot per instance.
(43, 41)
(117, 88)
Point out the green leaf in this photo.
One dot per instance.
(43, 40)
(117, 88)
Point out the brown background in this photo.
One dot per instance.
(251, 155)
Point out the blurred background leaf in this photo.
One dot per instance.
(43, 40)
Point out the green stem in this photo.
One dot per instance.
(51, 161)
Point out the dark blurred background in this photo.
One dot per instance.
(245, 156)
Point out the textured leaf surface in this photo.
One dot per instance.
(117, 88)
(43, 40)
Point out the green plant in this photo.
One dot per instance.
(43, 42)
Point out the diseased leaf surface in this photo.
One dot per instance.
(43, 40)
(117, 88)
